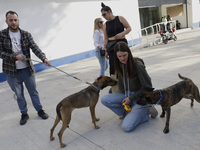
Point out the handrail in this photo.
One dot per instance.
(157, 26)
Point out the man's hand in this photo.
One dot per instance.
(47, 62)
(21, 57)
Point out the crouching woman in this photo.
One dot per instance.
(133, 81)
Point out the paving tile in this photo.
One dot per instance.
(163, 63)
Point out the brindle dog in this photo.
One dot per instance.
(171, 96)
(87, 97)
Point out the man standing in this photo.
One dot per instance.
(15, 47)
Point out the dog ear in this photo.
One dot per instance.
(108, 80)
(144, 95)
(99, 78)
(148, 94)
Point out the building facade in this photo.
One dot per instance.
(185, 11)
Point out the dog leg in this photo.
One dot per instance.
(163, 113)
(52, 129)
(166, 129)
(94, 119)
(66, 117)
(191, 97)
(192, 102)
(196, 93)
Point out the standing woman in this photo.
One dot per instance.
(115, 29)
(99, 45)
(133, 80)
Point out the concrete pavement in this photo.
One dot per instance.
(163, 63)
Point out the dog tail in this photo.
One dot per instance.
(58, 110)
(183, 78)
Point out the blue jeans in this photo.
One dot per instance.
(16, 84)
(138, 114)
(103, 62)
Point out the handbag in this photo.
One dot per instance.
(110, 45)
(102, 52)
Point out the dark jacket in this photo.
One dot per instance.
(139, 84)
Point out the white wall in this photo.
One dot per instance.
(195, 11)
(190, 13)
(65, 27)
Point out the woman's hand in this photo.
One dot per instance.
(106, 55)
(126, 101)
(96, 79)
(119, 36)
(99, 47)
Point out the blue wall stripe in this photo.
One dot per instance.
(58, 62)
(65, 60)
(2, 77)
(196, 25)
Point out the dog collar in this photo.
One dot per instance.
(158, 102)
(95, 87)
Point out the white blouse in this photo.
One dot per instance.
(98, 38)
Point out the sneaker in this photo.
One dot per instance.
(42, 114)
(24, 118)
(124, 115)
(152, 111)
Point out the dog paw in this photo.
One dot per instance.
(97, 119)
(97, 127)
(162, 116)
(166, 130)
(52, 138)
(63, 145)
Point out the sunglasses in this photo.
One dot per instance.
(100, 22)
(104, 14)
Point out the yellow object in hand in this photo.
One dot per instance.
(127, 107)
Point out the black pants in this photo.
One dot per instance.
(112, 58)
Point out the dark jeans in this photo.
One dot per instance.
(112, 58)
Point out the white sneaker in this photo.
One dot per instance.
(152, 111)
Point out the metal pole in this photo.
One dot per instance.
(139, 38)
(153, 34)
(146, 35)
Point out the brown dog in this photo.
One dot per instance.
(87, 97)
(170, 96)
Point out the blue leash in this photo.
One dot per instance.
(64, 73)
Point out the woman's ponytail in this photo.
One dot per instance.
(102, 5)
(105, 8)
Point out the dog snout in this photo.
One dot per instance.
(111, 81)
(115, 82)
